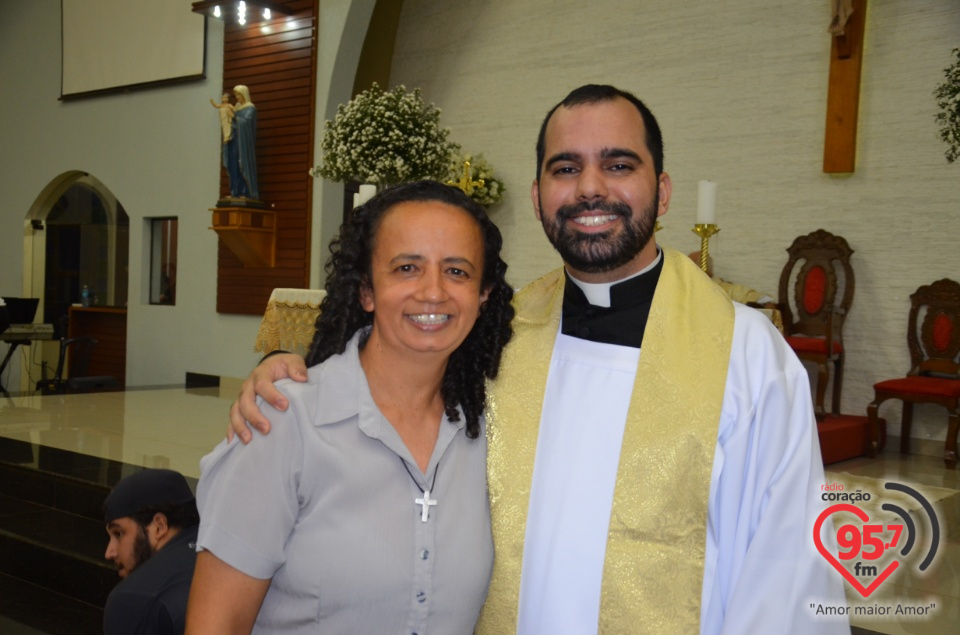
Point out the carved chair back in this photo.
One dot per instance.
(934, 330)
(823, 285)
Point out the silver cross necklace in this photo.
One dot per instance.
(425, 502)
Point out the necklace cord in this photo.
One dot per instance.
(412, 477)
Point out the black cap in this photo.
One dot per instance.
(148, 488)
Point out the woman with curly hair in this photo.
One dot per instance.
(365, 511)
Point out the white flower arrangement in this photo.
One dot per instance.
(491, 192)
(948, 100)
(385, 137)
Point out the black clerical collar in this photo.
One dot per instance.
(623, 322)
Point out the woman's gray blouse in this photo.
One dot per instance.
(324, 506)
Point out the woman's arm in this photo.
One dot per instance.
(223, 600)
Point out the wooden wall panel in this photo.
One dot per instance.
(279, 67)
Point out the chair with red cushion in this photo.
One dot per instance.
(813, 314)
(933, 335)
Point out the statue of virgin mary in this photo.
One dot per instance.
(239, 153)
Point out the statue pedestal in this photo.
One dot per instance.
(241, 203)
(249, 233)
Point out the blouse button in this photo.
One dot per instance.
(421, 597)
(423, 556)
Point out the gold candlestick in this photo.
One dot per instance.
(704, 232)
(466, 182)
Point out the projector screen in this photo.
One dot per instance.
(110, 45)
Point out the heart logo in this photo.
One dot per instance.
(862, 515)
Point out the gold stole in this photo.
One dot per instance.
(653, 571)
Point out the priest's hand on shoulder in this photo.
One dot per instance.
(244, 413)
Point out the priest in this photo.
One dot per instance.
(658, 471)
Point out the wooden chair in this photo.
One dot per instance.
(813, 314)
(933, 335)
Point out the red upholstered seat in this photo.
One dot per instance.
(933, 336)
(816, 291)
(816, 345)
(933, 386)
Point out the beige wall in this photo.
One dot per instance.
(158, 152)
(740, 93)
(741, 96)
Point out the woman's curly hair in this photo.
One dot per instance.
(348, 271)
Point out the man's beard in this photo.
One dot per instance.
(604, 251)
(142, 551)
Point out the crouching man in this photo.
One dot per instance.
(152, 521)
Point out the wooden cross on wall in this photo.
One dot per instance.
(843, 94)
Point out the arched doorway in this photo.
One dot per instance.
(77, 235)
(86, 247)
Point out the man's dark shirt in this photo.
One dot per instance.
(623, 322)
(153, 599)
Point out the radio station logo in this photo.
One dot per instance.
(871, 549)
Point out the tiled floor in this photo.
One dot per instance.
(175, 427)
(169, 427)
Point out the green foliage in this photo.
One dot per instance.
(948, 100)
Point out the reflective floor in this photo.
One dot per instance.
(168, 427)
(175, 427)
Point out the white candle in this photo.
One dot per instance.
(367, 191)
(707, 204)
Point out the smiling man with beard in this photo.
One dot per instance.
(658, 471)
(152, 520)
